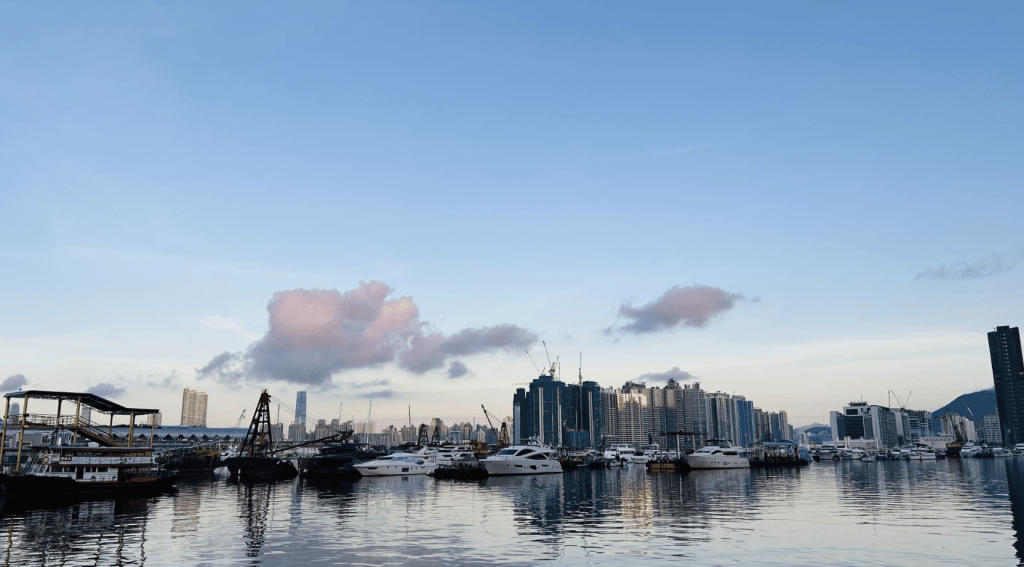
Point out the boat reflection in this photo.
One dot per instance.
(89, 532)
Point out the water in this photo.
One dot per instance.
(948, 512)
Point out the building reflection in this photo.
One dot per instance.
(580, 503)
(1015, 488)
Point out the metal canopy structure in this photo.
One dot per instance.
(92, 400)
(77, 424)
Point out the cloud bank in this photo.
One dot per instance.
(314, 333)
(106, 390)
(674, 374)
(13, 382)
(995, 264)
(692, 306)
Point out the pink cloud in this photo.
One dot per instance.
(314, 333)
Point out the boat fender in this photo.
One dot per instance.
(46, 460)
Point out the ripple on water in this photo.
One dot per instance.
(885, 513)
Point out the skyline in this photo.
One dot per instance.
(800, 204)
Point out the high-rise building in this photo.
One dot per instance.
(300, 409)
(193, 408)
(993, 433)
(863, 425)
(557, 413)
(1008, 376)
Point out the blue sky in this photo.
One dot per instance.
(851, 173)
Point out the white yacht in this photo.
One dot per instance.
(453, 453)
(523, 459)
(718, 454)
(922, 454)
(621, 452)
(827, 451)
(970, 450)
(398, 464)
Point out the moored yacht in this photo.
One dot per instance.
(827, 451)
(453, 453)
(398, 464)
(523, 459)
(718, 454)
(621, 452)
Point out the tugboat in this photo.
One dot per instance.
(255, 459)
(83, 459)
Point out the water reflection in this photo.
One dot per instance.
(895, 513)
(1015, 489)
(102, 532)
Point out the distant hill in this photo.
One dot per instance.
(979, 403)
(809, 428)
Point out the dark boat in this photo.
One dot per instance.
(84, 460)
(336, 460)
(462, 469)
(193, 460)
(256, 459)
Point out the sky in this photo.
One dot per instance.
(387, 204)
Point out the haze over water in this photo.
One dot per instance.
(848, 513)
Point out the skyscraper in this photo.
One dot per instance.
(1008, 376)
(300, 409)
(193, 408)
(557, 413)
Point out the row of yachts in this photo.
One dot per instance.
(539, 459)
(513, 460)
(833, 452)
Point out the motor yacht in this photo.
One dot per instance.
(453, 453)
(523, 459)
(970, 450)
(922, 454)
(827, 451)
(621, 452)
(718, 454)
(397, 464)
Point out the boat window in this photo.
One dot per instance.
(507, 452)
(538, 457)
(523, 452)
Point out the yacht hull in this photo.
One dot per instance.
(518, 467)
(717, 462)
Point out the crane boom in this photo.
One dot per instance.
(489, 421)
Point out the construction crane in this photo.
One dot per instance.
(534, 362)
(241, 419)
(903, 405)
(489, 422)
(552, 365)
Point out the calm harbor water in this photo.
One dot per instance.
(947, 512)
